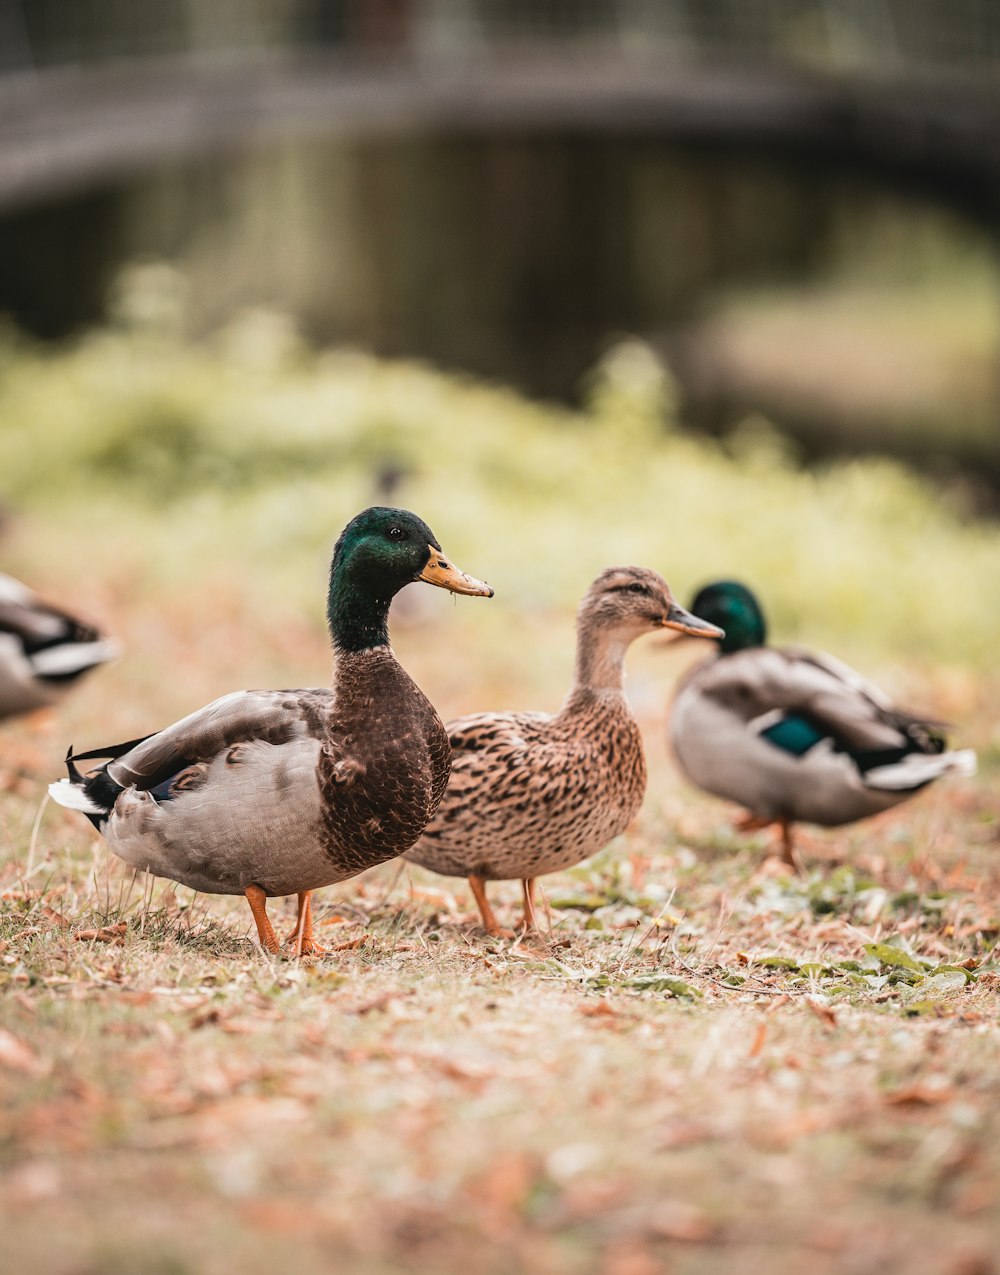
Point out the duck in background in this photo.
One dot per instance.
(44, 651)
(795, 735)
(265, 793)
(532, 793)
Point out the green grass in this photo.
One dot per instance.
(708, 1065)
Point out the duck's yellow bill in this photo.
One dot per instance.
(445, 575)
(685, 622)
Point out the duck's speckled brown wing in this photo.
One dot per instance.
(532, 793)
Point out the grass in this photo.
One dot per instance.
(709, 1064)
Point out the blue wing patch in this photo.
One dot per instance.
(794, 735)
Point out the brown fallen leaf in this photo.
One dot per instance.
(237, 1027)
(26, 1003)
(203, 1017)
(106, 934)
(382, 1001)
(598, 1009)
(757, 1048)
(134, 998)
(823, 1012)
(16, 1055)
(56, 918)
(350, 944)
(918, 1095)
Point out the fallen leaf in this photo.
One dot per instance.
(756, 1049)
(381, 1001)
(56, 918)
(823, 1012)
(919, 1095)
(17, 1056)
(350, 944)
(599, 1009)
(106, 934)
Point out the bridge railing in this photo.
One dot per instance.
(886, 38)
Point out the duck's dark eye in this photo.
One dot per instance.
(397, 533)
(637, 588)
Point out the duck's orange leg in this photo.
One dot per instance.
(301, 937)
(789, 854)
(751, 823)
(490, 924)
(258, 906)
(530, 920)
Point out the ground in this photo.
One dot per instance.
(708, 1064)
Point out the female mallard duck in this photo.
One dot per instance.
(795, 735)
(534, 792)
(267, 793)
(43, 650)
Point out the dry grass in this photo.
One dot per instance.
(706, 1067)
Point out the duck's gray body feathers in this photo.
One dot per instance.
(864, 755)
(285, 790)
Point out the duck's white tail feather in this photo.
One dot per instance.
(921, 768)
(73, 797)
(73, 657)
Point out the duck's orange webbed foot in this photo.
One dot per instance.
(301, 939)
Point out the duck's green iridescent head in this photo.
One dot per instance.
(380, 551)
(733, 607)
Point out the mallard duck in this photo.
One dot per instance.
(795, 735)
(532, 793)
(266, 793)
(44, 651)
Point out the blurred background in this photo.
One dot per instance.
(710, 284)
(793, 201)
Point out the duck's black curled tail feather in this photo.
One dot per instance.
(93, 795)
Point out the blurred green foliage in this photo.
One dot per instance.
(252, 445)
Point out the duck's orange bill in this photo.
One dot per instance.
(445, 575)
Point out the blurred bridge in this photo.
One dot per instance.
(91, 90)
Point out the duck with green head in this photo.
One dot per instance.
(266, 793)
(795, 735)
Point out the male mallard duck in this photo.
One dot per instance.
(535, 792)
(43, 650)
(280, 792)
(795, 735)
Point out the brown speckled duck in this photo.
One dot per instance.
(44, 651)
(266, 793)
(532, 793)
